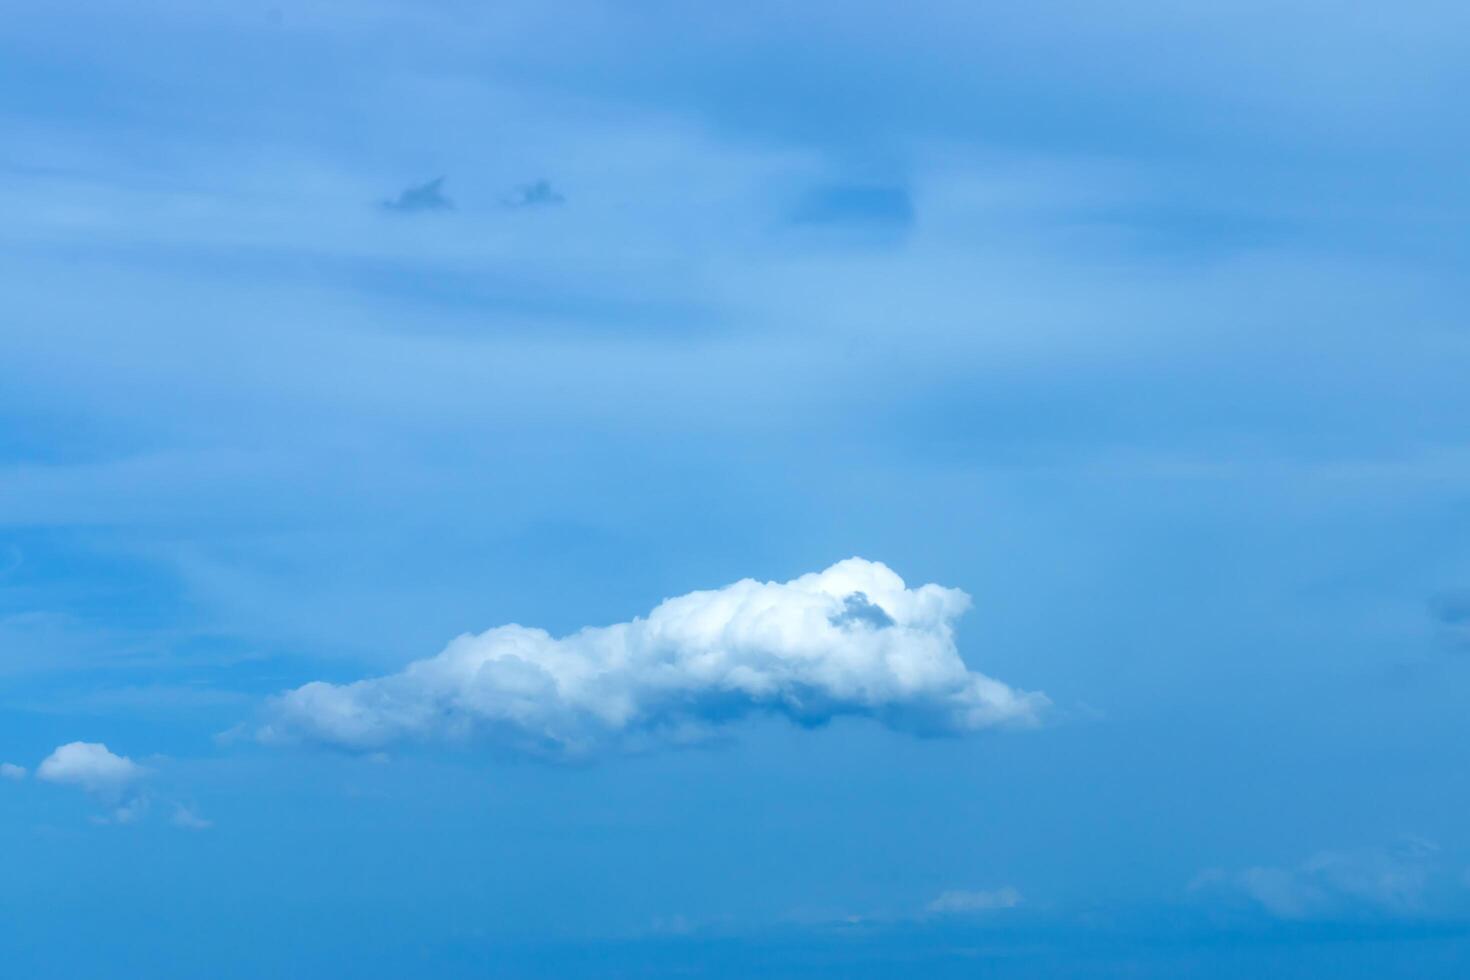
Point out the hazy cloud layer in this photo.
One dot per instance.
(1379, 881)
(851, 640)
(9, 770)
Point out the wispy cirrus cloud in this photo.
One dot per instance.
(850, 640)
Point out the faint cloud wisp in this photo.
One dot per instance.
(1333, 884)
(963, 902)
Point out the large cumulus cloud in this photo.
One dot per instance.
(850, 640)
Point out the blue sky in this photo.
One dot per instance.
(332, 332)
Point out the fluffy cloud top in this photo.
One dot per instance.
(9, 770)
(851, 640)
(92, 767)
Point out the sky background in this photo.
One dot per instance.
(1141, 324)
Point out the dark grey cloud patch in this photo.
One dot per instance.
(536, 194)
(423, 197)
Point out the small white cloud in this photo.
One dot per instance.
(186, 819)
(962, 902)
(9, 770)
(90, 766)
(850, 640)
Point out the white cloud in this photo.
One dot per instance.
(851, 640)
(9, 770)
(960, 902)
(1389, 881)
(90, 766)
